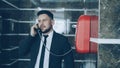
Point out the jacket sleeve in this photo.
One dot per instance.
(68, 58)
(25, 45)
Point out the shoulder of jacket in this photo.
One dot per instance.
(60, 36)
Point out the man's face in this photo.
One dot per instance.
(45, 23)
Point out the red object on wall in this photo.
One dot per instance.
(87, 27)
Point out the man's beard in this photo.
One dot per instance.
(47, 30)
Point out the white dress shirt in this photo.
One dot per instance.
(47, 53)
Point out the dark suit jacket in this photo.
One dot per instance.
(59, 46)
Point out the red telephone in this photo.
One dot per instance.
(87, 27)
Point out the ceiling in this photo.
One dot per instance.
(28, 8)
(19, 4)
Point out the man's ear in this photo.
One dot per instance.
(53, 22)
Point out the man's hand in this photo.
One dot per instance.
(33, 31)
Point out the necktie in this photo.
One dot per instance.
(43, 52)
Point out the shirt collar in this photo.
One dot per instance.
(50, 34)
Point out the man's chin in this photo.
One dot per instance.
(44, 31)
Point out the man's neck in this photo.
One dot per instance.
(48, 32)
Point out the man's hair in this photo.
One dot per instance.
(45, 12)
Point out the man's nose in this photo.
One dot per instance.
(41, 23)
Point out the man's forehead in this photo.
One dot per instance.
(43, 16)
